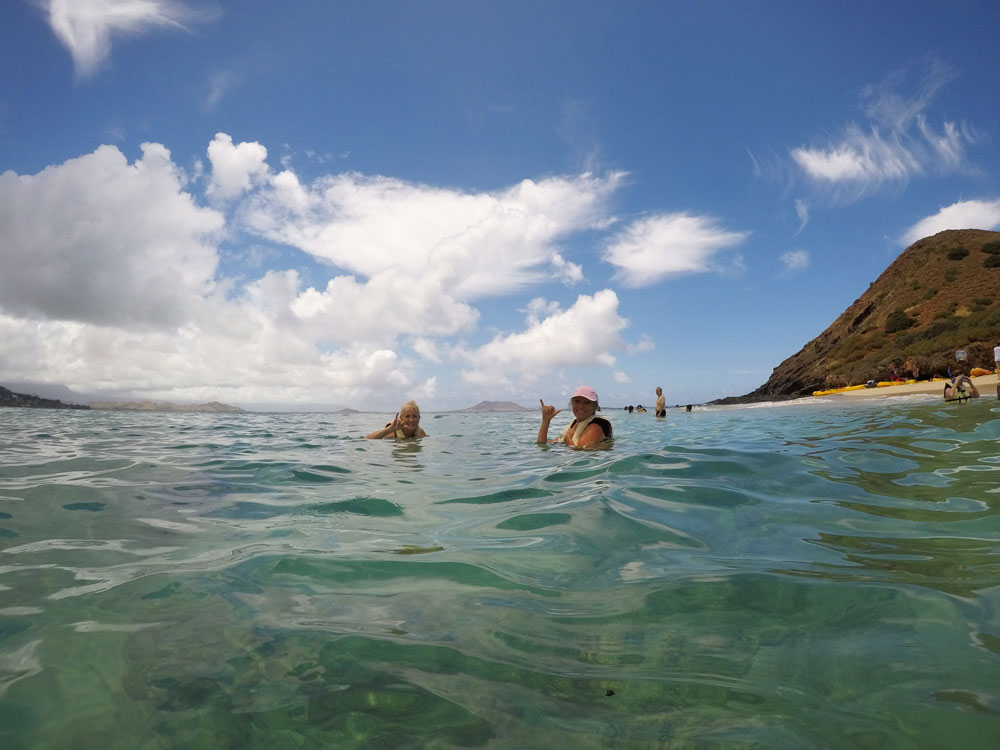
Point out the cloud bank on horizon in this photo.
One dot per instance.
(102, 249)
(230, 275)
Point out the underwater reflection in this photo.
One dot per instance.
(405, 452)
(955, 565)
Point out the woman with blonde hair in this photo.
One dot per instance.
(406, 424)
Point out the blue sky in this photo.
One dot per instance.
(351, 204)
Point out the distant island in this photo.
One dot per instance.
(492, 406)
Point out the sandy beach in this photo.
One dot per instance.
(985, 384)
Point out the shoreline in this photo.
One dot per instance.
(985, 384)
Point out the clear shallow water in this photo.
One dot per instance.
(798, 576)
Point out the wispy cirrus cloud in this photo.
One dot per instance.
(86, 27)
(219, 84)
(802, 211)
(896, 142)
(794, 261)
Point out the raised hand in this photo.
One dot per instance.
(548, 411)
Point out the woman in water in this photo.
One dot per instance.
(406, 424)
(586, 430)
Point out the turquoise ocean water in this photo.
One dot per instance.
(813, 575)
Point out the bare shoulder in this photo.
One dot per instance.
(591, 436)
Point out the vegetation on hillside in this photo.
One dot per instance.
(941, 295)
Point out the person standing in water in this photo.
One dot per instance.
(661, 403)
(586, 430)
(406, 424)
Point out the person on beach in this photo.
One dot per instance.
(406, 424)
(960, 389)
(996, 359)
(587, 430)
(661, 403)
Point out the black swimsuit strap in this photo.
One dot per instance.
(599, 421)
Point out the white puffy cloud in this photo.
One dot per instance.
(540, 308)
(389, 304)
(474, 244)
(112, 281)
(235, 168)
(87, 26)
(583, 335)
(795, 261)
(247, 359)
(99, 240)
(656, 247)
(109, 286)
(568, 273)
(961, 215)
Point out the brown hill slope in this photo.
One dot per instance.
(941, 294)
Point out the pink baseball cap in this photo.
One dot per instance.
(587, 392)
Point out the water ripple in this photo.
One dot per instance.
(793, 576)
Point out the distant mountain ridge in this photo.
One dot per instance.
(9, 397)
(54, 391)
(493, 406)
(212, 407)
(48, 401)
(940, 295)
(26, 400)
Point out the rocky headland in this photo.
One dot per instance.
(28, 401)
(940, 296)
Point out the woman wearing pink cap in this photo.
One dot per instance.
(586, 430)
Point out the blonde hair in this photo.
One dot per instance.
(411, 404)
